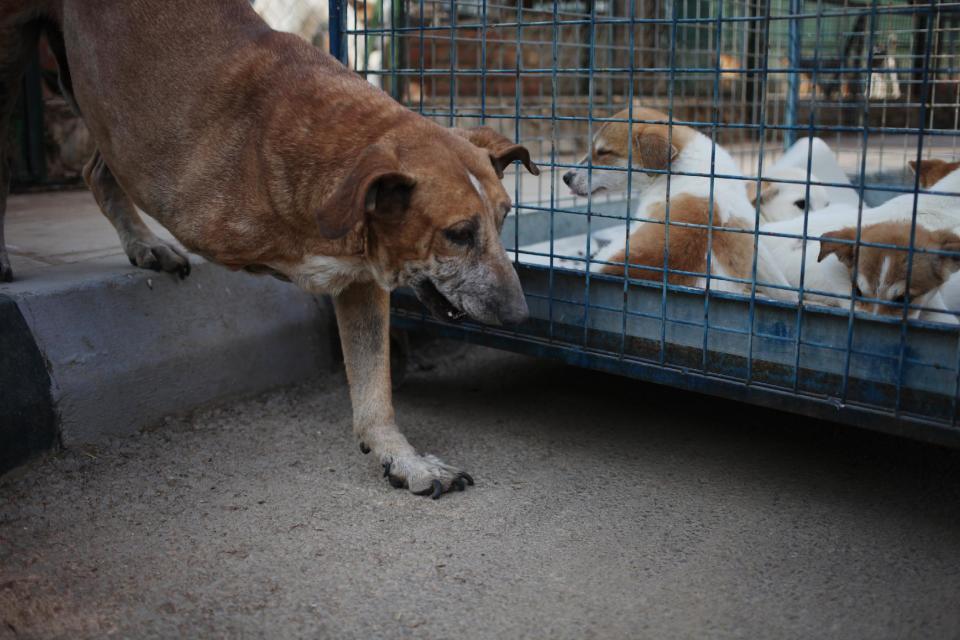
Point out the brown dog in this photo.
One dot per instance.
(260, 152)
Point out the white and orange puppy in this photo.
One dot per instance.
(670, 168)
(882, 285)
(800, 259)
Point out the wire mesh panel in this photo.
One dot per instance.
(747, 198)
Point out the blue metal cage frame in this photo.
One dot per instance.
(899, 375)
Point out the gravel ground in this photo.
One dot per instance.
(603, 509)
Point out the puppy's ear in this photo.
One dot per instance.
(502, 151)
(767, 190)
(844, 252)
(947, 241)
(375, 186)
(930, 171)
(652, 148)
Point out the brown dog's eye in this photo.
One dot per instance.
(463, 234)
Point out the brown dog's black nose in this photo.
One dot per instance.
(568, 178)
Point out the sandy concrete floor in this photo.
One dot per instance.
(603, 509)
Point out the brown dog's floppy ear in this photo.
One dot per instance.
(374, 185)
(843, 251)
(653, 150)
(502, 151)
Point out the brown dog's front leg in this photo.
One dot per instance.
(363, 316)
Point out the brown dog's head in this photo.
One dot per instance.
(933, 170)
(644, 145)
(433, 206)
(882, 272)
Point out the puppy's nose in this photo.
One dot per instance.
(568, 178)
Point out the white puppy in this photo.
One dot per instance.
(785, 200)
(828, 281)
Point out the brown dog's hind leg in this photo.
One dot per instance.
(141, 245)
(363, 316)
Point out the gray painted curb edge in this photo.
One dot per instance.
(28, 424)
(102, 349)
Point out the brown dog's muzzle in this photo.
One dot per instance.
(512, 305)
(486, 291)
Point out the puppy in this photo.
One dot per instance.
(686, 195)
(785, 200)
(261, 152)
(882, 286)
(826, 281)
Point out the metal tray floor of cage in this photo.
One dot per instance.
(872, 374)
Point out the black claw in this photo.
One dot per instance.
(434, 490)
(466, 476)
(386, 468)
(395, 482)
(460, 484)
(364, 449)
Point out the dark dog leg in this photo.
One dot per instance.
(143, 248)
(18, 40)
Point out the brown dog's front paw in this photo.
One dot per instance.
(158, 256)
(424, 475)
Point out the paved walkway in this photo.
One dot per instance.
(63, 227)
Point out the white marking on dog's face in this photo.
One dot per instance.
(476, 185)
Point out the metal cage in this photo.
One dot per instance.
(876, 84)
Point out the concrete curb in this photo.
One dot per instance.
(27, 417)
(124, 347)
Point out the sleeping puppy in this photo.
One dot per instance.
(798, 259)
(882, 286)
(785, 200)
(672, 170)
